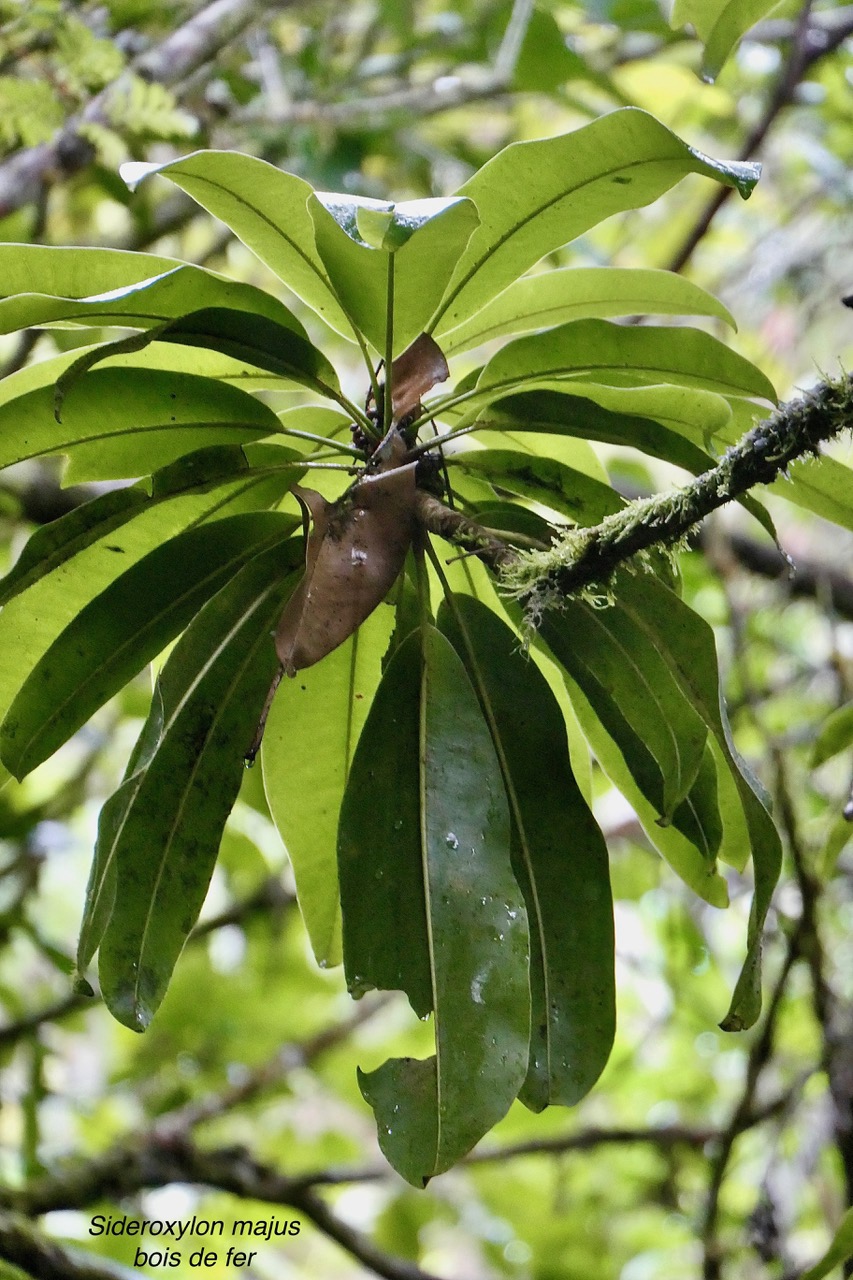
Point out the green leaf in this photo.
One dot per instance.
(838, 1252)
(72, 272)
(557, 412)
(146, 304)
(200, 472)
(822, 485)
(428, 238)
(324, 706)
(126, 626)
(660, 734)
(260, 342)
(687, 858)
(542, 480)
(546, 62)
(622, 356)
(84, 567)
(425, 825)
(535, 197)
(836, 734)
(559, 856)
(51, 544)
(687, 644)
(126, 422)
(555, 297)
(266, 209)
(720, 24)
(164, 842)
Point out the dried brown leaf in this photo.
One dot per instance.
(355, 552)
(421, 367)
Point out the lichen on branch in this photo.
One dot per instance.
(583, 560)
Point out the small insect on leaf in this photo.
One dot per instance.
(356, 549)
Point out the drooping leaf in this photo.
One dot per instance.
(836, 734)
(686, 857)
(355, 552)
(720, 24)
(266, 209)
(686, 643)
(534, 197)
(202, 471)
(425, 824)
(128, 624)
(559, 857)
(255, 339)
(66, 272)
(420, 245)
(552, 298)
(161, 847)
(660, 734)
(118, 423)
(308, 745)
(184, 495)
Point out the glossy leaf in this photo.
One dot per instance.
(266, 209)
(308, 745)
(257, 340)
(562, 413)
(534, 197)
(31, 621)
(139, 304)
(660, 734)
(122, 422)
(73, 272)
(112, 638)
(162, 840)
(543, 480)
(720, 24)
(822, 485)
(429, 243)
(425, 825)
(687, 644)
(559, 857)
(621, 356)
(686, 858)
(554, 297)
(203, 471)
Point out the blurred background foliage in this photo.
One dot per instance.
(699, 1154)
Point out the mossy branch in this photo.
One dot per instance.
(583, 560)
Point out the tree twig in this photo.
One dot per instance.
(442, 93)
(24, 1247)
(25, 176)
(586, 558)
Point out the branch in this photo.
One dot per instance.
(26, 176)
(24, 1247)
(808, 579)
(270, 896)
(760, 1055)
(444, 93)
(586, 558)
